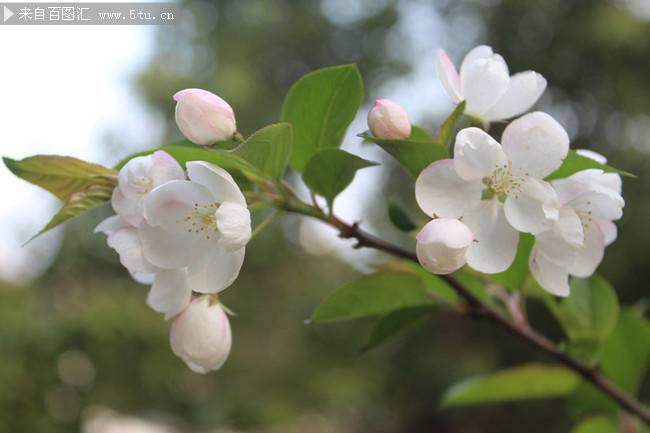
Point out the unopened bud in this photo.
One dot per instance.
(203, 117)
(201, 336)
(441, 245)
(388, 120)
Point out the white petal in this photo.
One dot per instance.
(592, 179)
(609, 229)
(482, 83)
(441, 245)
(554, 248)
(480, 52)
(552, 277)
(143, 278)
(126, 241)
(165, 168)
(129, 209)
(569, 227)
(536, 144)
(234, 225)
(169, 293)
(534, 208)
(496, 240)
(599, 205)
(592, 155)
(133, 179)
(111, 224)
(217, 270)
(169, 204)
(476, 154)
(591, 254)
(167, 249)
(439, 191)
(524, 90)
(217, 180)
(448, 76)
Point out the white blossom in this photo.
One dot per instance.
(201, 335)
(441, 245)
(388, 120)
(486, 85)
(497, 189)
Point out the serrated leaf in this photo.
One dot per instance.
(268, 149)
(515, 276)
(320, 106)
(524, 382)
(60, 175)
(400, 219)
(414, 153)
(574, 162)
(447, 127)
(374, 294)
(397, 323)
(330, 171)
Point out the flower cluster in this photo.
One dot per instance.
(490, 191)
(184, 233)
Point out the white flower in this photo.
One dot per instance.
(388, 120)
(202, 224)
(201, 335)
(497, 189)
(486, 85)
(441, 245)
(139, 176)
(575, 245)
(203, 117)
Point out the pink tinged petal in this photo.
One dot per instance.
(524, 90)
(536, 144)
(217, 180)
(203, 117)
(169, 293)
(591, 254)
(483, 83)
(234, 225)
(592, 155)
(129, 210)
(134, 179)
(441, 245)
(439, 191)
(170, 204)
(448, 76)
(216, 270)
(533, 208)
(477, 154)
(550, 276)
(609, 229)
(388, 120)
(165, 168)
(496, 240)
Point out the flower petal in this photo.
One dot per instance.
(168, 205)
(448, 76)
(439, 191)
(533, 208)
(111, 224)
(605, 205)
(477, 154)
(496, 240)
(592, 179)
(165, 168)
(592, 155)
(234, 225)
(483, 82)
(552, 277)
(126, 241)
(169, 293)
(217, 180)
(591, 254)
(609, 229)
(480, 52)
(536, 144)
(130, 210)
(524, 90)
(167, 249)
(217, 270)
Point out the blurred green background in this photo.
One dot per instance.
(79, 342)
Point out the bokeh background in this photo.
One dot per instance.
(79, 349)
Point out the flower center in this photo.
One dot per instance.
(143, 183)
(202, 219)
(584, 213)
(501, 183)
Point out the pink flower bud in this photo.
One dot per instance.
(203, 117)
(441, 245)
(201, 336)
(388, 120)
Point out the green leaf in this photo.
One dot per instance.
(330, 171)
(626, 353)
(596, 424)
(268, 149)
(397, 323)
(414, 153)
(374, 294)
(447, 127)
(400, 218)
(574, 162)
(60, 175)
(515, 276)
(320, 106)
(438, 287)
(590, 312)
(90, 197)
(518, 383)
